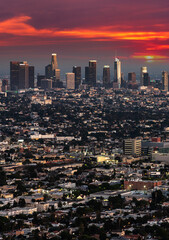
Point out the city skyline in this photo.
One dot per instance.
(137, 33)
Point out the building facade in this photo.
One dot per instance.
(70, 81)
(106, 76)
(132, 147)
(143, 70)
(117, 72)
(77, 72)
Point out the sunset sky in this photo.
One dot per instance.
(78, 30)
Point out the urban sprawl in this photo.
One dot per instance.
(87, 160)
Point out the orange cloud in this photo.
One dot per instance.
(19, 26)
(158, 47)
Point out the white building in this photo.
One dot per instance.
(132, 146)
(143, 70)
(70, 81)
(117, 72)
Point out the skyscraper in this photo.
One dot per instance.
(106, 76)
(90, 73)
(70, 81)
(132, 77)
(31, 77)
(46, 84)
(4, 85)
(52, 71)
(21, 75)
(39, 79)
(77, 72)
(143, 70)
(48, 71)
(146, 79)
(54, 62)
(117, 72)
(165, 80)
(14, 75)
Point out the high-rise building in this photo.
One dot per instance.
(117, 72)
(54, 62)
(52, 71)
(14, 75)
(5, 85)
(106, 76)
(21, 75)
(132, 77)
(90, 73)
(39, 79)
(46, 84)
(77, 72)
(132, 146)
(165, 81)
(57, 74)
(143, 70)
(70, 81)
(48, 71)
(146, 79)
(31, 77)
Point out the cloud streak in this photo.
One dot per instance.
(19, 26)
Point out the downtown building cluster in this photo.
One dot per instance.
(22, 76)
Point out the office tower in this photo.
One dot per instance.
(77, 72)
(90, 73)
(117, 72)
(106, 76)
(143, 70)
(70, 81)
(21, 75)
(54, 62)
(31, 77)
(46, 84)
(39, 79)
(132, 146)
(5, 85)
(48, 71)
(14, 75)
(132, 77)
(57, 74)
(52, 71)
(146, 79)
(165, 80)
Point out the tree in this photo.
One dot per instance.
(3, 177)
(158, 197)
(22, 202)
(65, 235)
(59, 204)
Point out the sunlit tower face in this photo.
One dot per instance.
(143, 70)
(54, 62)
(117, 72)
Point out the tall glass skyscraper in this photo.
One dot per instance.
(143, 70)
(90, 73)
(117, 72)
(106, 76)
